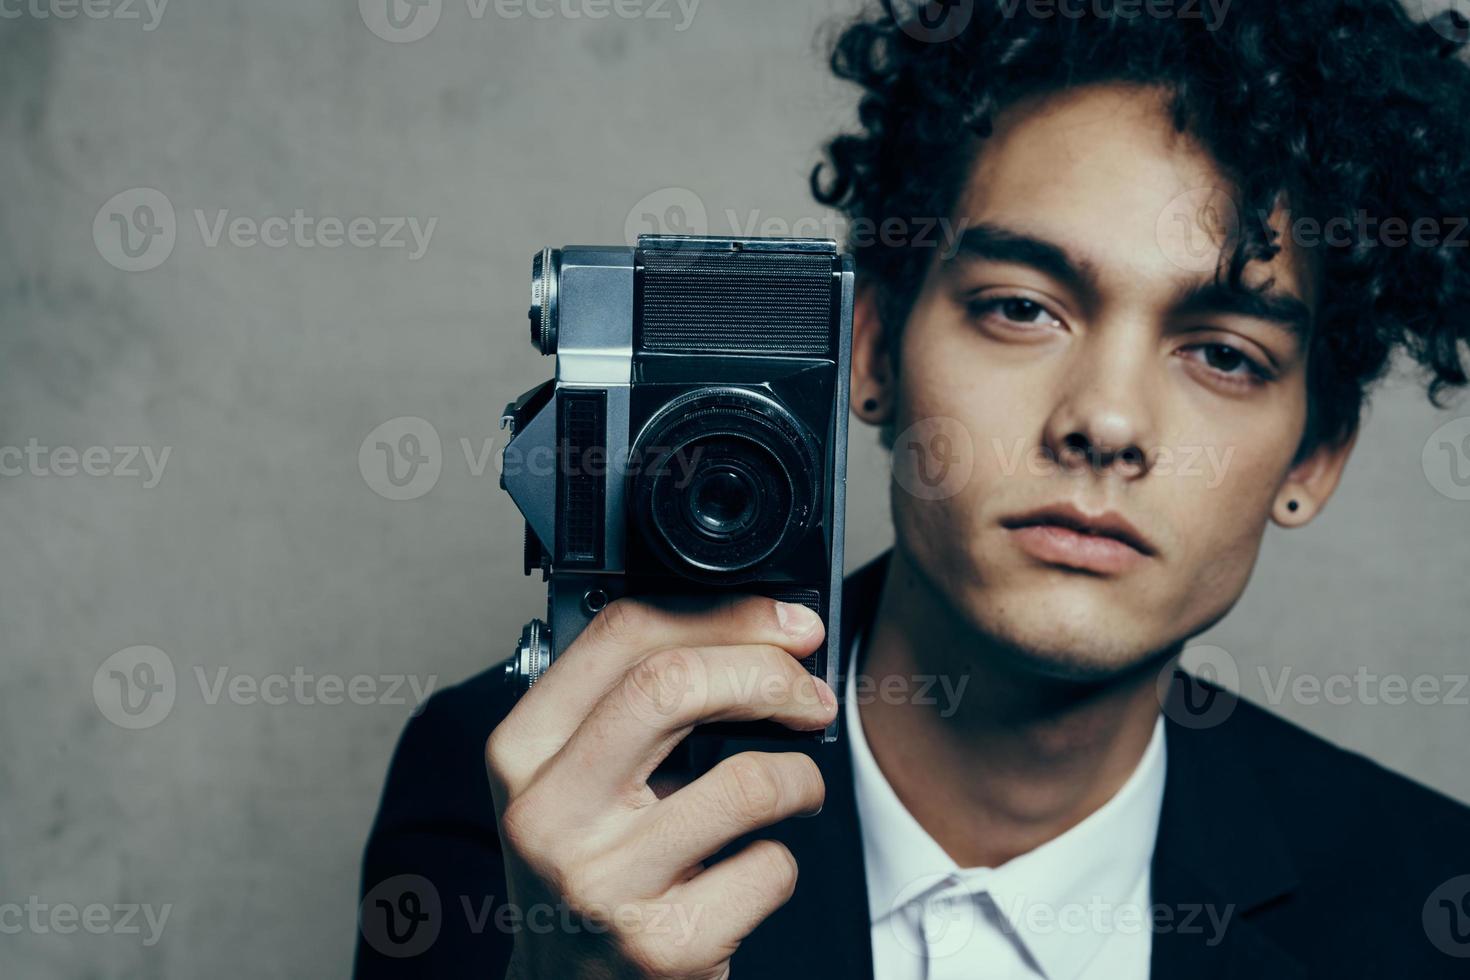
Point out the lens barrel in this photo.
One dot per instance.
(723, 481)
(545, 277)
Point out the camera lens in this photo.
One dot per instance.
(724, 481)
(722, 501)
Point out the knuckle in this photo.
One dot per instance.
(496, 754)
(778, 868)
(798, 682)
(754, 790)
(520, 826)
(664, 680)
(813, 786)
(625, 620)
(786, 683)
(585, 886)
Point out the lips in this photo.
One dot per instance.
(1064, 535)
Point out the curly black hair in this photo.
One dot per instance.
(1340, 107)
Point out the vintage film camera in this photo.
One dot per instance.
(694, 438)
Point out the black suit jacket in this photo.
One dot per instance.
(1327, 864)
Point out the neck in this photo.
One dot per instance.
(1010, 760)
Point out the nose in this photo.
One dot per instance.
(1103, 419)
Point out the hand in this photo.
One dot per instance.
(583, 832)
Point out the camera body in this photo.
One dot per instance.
(694, 438)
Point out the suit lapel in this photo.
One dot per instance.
(1219, 856)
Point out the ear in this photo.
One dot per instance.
(871, 388)
(1306, 489)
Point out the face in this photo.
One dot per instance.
(1092, 435)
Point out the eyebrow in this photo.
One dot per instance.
(1280, 309)
(996, 243)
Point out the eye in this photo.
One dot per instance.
(1231, 362)
(1016, 310)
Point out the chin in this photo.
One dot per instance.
(1061, 638)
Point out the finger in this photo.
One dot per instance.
(727, 901)
(650, 710)
(741, 794)
(621, 635)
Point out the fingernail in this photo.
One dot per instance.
(825, 692)
(796, 620)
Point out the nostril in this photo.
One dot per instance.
(1075, 446)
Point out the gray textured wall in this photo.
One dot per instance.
(269, 547)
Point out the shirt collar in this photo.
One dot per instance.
(1097, 864)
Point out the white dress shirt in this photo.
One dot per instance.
(1075, 907)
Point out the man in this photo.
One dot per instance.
(1163, 255)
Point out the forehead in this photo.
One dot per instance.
(1101, 171)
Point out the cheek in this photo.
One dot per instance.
(961, 425)
(1220, 511)
(986, 411)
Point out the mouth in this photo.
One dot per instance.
(1063, 535)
